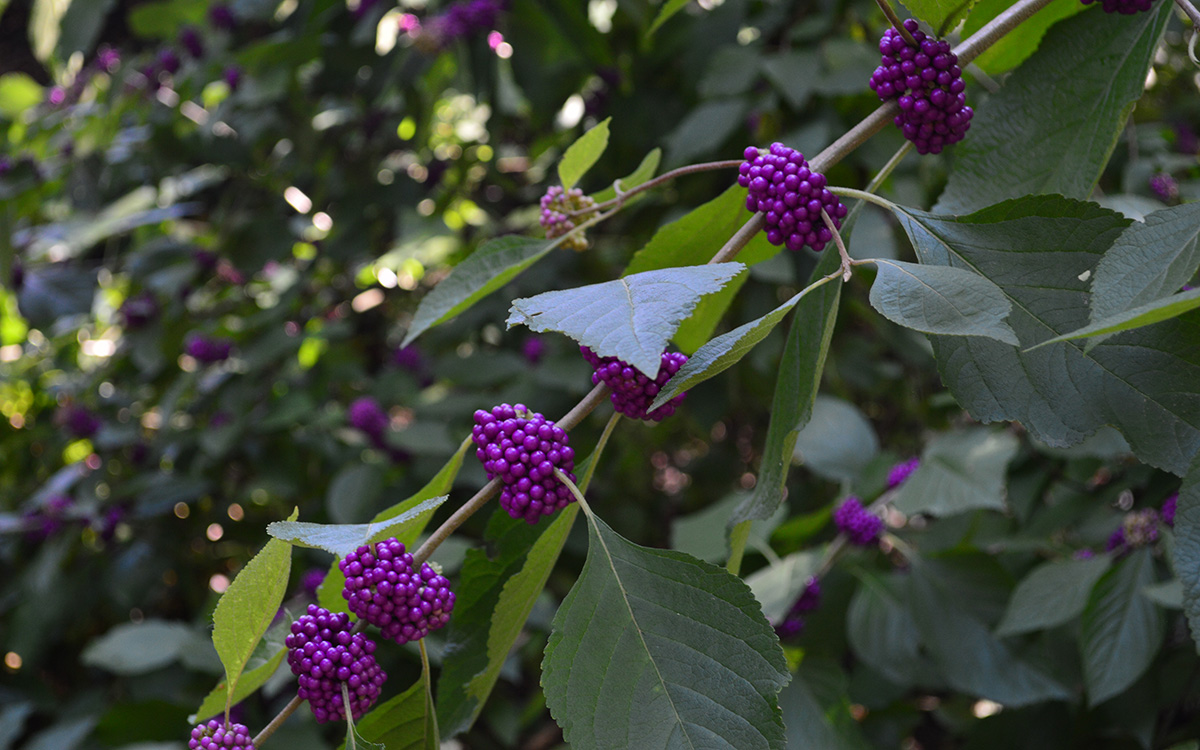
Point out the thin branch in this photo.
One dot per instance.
(269, 729)
(661, 179)
(739, 239)
(1191, 12)
(897, 24)
(841, 246)
(451, 524)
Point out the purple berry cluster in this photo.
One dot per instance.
(214, 735)
(324, 654)
(556, 205)
(383, 589)
(899, 473)
(1165, 187)
(1138, 529)
(790, 196)
(79, 421)
(1124, 7)
(366, 414)
(207, 349)
(632, 391)
(927, 83)
(853, 520)
(1167, 514)
(810, 599)
(523, 449)
(47, 520)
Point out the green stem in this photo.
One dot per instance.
(864, 196)
(737, 547)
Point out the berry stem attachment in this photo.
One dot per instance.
(841, 246)
(281, 717)
(665, 177)
(897, 24)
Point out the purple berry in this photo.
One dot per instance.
(523, 449)
(324, 654)
(189, 39)
(1167, 514)
(632, 391)
(533, 349)
(1083, 554)
(232, 77)
(207, 349)
(790, 196)
(791, 627)
(138, 311)
(556, 205)
(221, 17)
(1165, 187)
(862, 528)
(79, 421)
(215, 735)
(902, 471)
(367, 415)
(312, 581)
(465, 18)
(383, 589)
(167, 61)
(108, 58)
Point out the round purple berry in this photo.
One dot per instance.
(632, 391)
(79, 421)
(324, 654)
(523, 449)
(790, 196)
(138, 311)
(860, 527)
(383, 589)
(557, 205)
(216, 735)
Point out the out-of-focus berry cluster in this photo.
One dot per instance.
(927, 83)
(324, 654)
(790, 197)
(459, 21)
(900, 473)
(632, 391)
(557, 205)
(523, 449)
(860, 527)
(214, 735)
(793, 622)
(383, 588)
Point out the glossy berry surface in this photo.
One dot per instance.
(324, 654)
(853, 520)
(557, 204)
(632, 391)
(790, 197)
(213, 735)
(523, 449)
(926, 81)
(383, 588)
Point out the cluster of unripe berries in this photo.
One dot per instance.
(790, 197)
(383, 588)
(632, 391)
(860, 526)
(557, 206)
(324, 654)
(927, 84)
(523, 449)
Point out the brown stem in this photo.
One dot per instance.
(269, 729)
(897, 24)
(841, 246)
(661, 179)
(452, 523)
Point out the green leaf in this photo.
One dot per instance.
(681, 655)
(793, 74)
(959, 471)
(329, 595)
(809, 725)
(1013, 48)
(669, 8)
(1040, 250)
(704, 129)
(582, 154)
(1053, 594)
(405, 722)
(493, 265)
(353, 492)
(632, 318)
(941, 300)
(1168, 594)
(18, 92)
(726, 350)
(1143, 315)
(1121, 629)
(882, 631)
(342, 539)
(703, 534)
(214, 703)
(1186, 550)
(80, 27)
(247, 607)
(162, 20)
(1148, 261)
(1053, 125)
(796, 387)
(644, 173)
(970, 658)
(136, 648)
(777, 586)
(838, 442)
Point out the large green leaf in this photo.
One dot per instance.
(656, 649)
(939, 13)
(800, 371)
(1186, 551)
(1041, 250)
(493, 265)
(1013, 48)
(247, 607)
(1122, 629)
(1053, 125)
(1052, 594)
(343, 538)
(883, 633)
(1148, 261)
(632, 318)
(959, 471)
(941, 299)
(353, 491)
(838, 442)
(582, 154)
(136, 648)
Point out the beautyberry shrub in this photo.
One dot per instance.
(860, 526)
(790, 196)
(523, 449)
(383, 588)
(632, 391)
(214, 735)
(324, 654)
(557, 205)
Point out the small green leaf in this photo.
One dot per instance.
(959, 471)
(1143, 315)
(793, 74)
(582, 154)
(490, 267)
(342, 539)
(644, 173)
(247, 607)
(940, 14)
(882, 631)
(941, 300)
(838, 442)
(18, 92)
(136, 648)
(1167, 594)
(669, 8)
(1122, 629)
(162, 20)
(682, 656)
(632, 318)
(1053, 594)
(251, 681)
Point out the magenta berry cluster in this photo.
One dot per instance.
(383, 588)
(860, 526)
(557, 205)
(214, 735)
(523, 449)
(1124, 7)
(927, 83)
(632, 391)
(207, 349)
(1167, 514)
(1165, 187)
(810, 599)
(323, 653)
(790, 197)
(900, 473)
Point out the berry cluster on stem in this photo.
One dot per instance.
(383, 588)
(324, 654)
(632, 390)
(790, 196)
(860, 526)
(558, 208)
(522, 449)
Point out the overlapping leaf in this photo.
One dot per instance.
(959, 471)
(1122, 629)
(1052, 594)
(1149, 261)
(941, 299)
(582, 154)
(342, 539)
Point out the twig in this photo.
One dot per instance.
(623, 196)
(1191, 12)
(451, 524)
(841, 246)
(281, 717)
(897, 24)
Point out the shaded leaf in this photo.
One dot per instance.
(582, 154)
(1186, 550)
(632, 318)
(1122, 629)
(938, 13)
(669, 8)
(882, 631)
(777, 586)
(793, 74)
(838, 442)
(1053, 594)
(1142, 315)
(1148, 261)
(405, 722)
(959, 471)
(1016, 46)
(342, 539)
(941, 300)
(353, 492)
(250, 682)
(136, 648)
